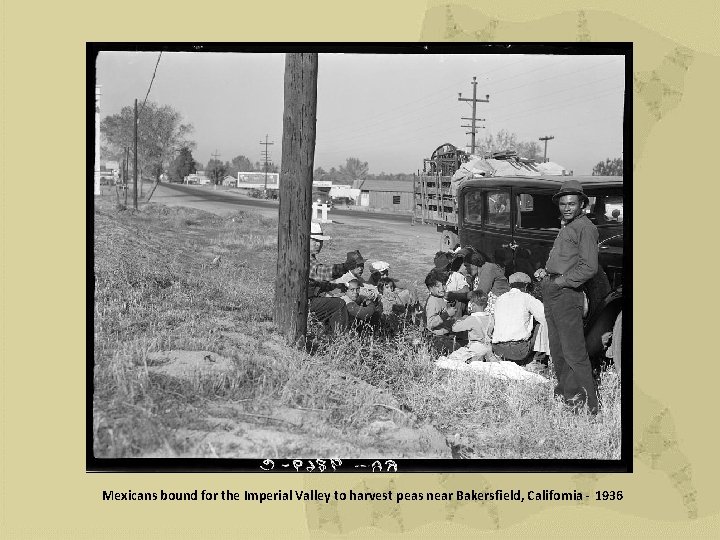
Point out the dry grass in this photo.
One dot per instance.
(157, 289)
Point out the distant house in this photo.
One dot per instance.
(390, 195)
(229, 181)
(197, 178)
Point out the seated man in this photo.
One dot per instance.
(359, 310)
(514, 336)
(332, 312)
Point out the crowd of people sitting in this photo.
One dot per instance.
(473, 311)
(339, 296)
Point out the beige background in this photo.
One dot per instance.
(45, 491)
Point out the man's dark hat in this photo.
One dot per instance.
(354, 258)
(442, 261)
(571, 187)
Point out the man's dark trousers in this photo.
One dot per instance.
(563, 313)
(330, 311)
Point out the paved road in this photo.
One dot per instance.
(228, 197)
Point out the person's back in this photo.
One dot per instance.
(515, 312)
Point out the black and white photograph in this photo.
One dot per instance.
(401, 258)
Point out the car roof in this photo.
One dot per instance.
(550, 182)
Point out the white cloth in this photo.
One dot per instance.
(514, 312)
(499, 370)
(455, 282)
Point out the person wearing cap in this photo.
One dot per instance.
(572, 262)
(378, 270)
(515, 334)
(331, 311)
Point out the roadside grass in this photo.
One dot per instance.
(160, 286)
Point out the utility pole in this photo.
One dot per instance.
(298, 156)
(215, 156)
(96, 176)
(264, 154)
(546, 138)
(135, 171)
(474, 118)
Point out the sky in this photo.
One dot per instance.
(388, 110)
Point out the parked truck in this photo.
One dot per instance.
(512, 217)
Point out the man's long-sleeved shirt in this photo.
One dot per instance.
(574, 254)
(514, 312)
(491, 278)
(324, 272)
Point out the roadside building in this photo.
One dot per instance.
(229, 181)
(197, 178)
(386, 195)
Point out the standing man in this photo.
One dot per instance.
(331, 311)
(572, 262)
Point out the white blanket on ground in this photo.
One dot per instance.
(500, 370)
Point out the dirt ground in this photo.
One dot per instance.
(409, 249)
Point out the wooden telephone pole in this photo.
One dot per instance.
(265, 156)
(298, 156)
(546, 139)
(474, 118)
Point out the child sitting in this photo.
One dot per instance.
(479, 326)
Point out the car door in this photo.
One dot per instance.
(497, 239)
(536, 225)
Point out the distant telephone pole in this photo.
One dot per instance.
(474, 118)
(546, 138)
(265, 154)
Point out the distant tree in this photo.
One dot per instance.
(215, 171)
(318, 173)
(240, 164)
(609, 167)
(161, 134)
(505, 140)
(182, 165)
(530, 150)
(354, 171)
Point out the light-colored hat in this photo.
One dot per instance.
(379, 266)
(519, 277)
(316, 232)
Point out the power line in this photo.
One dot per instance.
(151, 81)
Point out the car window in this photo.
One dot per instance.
(497, 208)
(473, 207)
(606, 209)
(537, 212)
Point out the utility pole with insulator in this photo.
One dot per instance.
(546, 139)
(298, 155)
(265, 156)
(474, 118)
